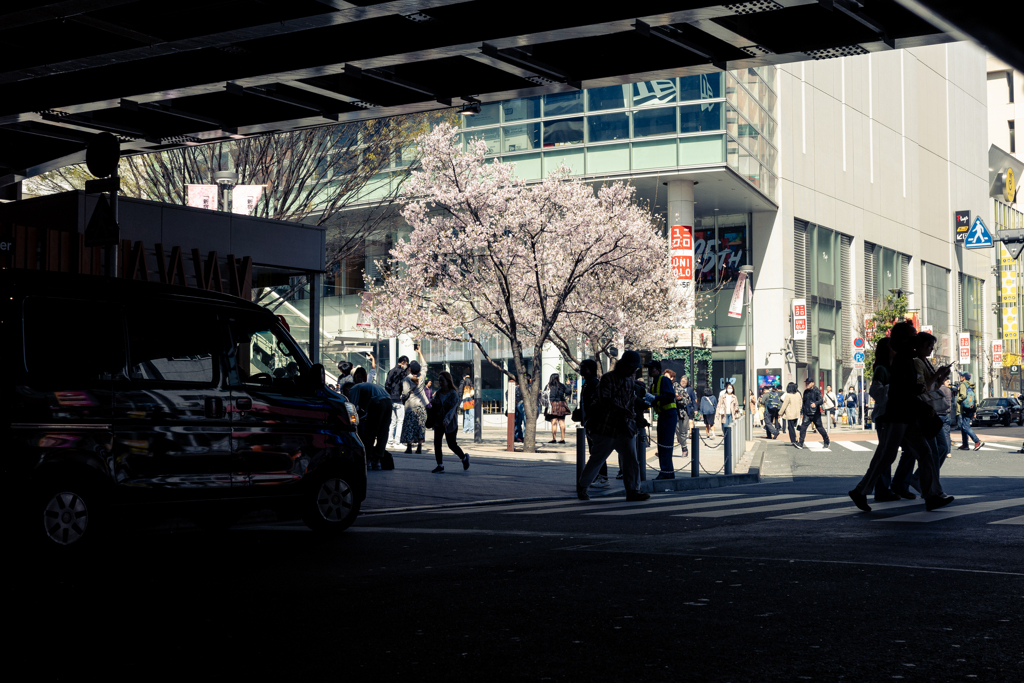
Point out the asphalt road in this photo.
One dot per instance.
(779, 581)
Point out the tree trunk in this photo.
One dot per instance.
(530, 428)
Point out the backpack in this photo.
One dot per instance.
(969, 399)
(772, 403)
(706, 406)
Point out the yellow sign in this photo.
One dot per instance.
(1009, 191)
(1010, 359)
(1004, 256)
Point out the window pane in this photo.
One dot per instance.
(173, 344)
(732, 247)
(700, 150)
(522, 108)
(705, 255)
(563, 132)
(694, 118)
(523, 136)
(73, 340)
(732, 118)
(653, 93)
(489, 113)
(703, 87)
(654, 122)
(563, 103)
(612, 97)
(608, 127)
(262, 354)
(489, 136)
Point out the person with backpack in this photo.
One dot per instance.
(772, 405)
(708, 407)
(966, 406)
(829, 405)
(686, 406)
(851, 406)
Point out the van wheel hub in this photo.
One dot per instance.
(65, 518)
(335, 499)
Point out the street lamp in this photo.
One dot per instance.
(751, 375)
(226, 181)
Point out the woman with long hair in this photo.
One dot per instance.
(445, 420)
(708, 404)
(557, 407)
(416, 401)
(792, 403)
(728, 407)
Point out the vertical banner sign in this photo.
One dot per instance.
(997, 352)
(680, 240)
(736, 305)
(869, 330)
(799, 319)
(202, 196)
(963, 225)
(244, 198)
(1008, 296)
(963, 342)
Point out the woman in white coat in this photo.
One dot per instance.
(728, 407)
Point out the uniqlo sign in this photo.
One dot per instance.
(997, 352)
(963, 342)
(799, 319)
(680, 244)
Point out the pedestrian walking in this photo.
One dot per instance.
(930, 380)
(686, 406)
(790, 411)
(811, 411)
(708, 407)
(829, 405)
(588, 396)
(850, 403)
(664, 408)
(444, 418)
(728, 408)
(467, 391)
(756, 413)
(614, 428)
(905, 412)
(772, 405)
(415, 398)
(967, 405)
(374, 405)
(393, 385)
(557, 407)
(879, 391)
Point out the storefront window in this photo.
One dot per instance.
(563, 132)
(613, 97)
(491, 136)
(654, 122)
(695, 118)
(489, 114)
(563, 103)
(608, 127)
(521, 137)
(521, 109)
(702, 87)
(654, 93)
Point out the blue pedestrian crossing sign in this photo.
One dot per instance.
(979, 237)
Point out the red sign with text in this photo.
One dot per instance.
(680, 244)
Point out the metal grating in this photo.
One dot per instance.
(801, 267)
(846, 293)
(905, 275)
(870, 287)
(757, 50)
(834, 52)
(754, 7)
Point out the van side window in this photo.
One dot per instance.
(72, 340)
(174, 343)
(260, 353)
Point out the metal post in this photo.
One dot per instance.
(478, 408)
(641, 454)
(110, 253)
(695, 452)
(315, 289)
(581, 451)
(727, 440)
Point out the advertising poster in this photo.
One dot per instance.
(799, 319)
(963, 343)
(202, 196)
(245, 197)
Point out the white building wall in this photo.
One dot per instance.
(912, 128)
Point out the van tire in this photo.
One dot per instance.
(67, 516)
(330, 505)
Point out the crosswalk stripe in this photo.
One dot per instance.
(576, 506)
(691, 506)
(1011, 520)
(955, 510)
(518, 506)
(767, 508)
(854, 510)
(1001, 445)
(852, 446)
(873, 442)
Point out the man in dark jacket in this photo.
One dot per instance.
(613, 427)
(811, 413)
(375, 404)
(588, 401)
(393, 386)
(664, 407)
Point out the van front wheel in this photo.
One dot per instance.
(67, 515)
(331, 505)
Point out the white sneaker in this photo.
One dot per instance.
(601, 483)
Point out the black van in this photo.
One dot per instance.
(123, 397)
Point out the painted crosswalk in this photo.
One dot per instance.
(646, 510)
(869, 445)
(654, 505)
(768, 508)
(951, 511)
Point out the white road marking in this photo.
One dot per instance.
(852, 446)
(518, 506)
(692, 506)
(1011, 520)
(853, 510)
(873, 442)
(768, 508)
(955, 510)
(1001, 445)
(652, 501)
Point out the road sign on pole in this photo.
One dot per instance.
(979, 237)
(858, 343)
(858, 360)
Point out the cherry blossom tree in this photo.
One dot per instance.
(491, 256)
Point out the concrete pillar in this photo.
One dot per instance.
(680, 212)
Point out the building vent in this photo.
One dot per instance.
(800, 270)
(757, 50)
(905, 275)
(419, 17)
(754, 7)
(870, 288)
(833, 52)
(846, 296)
(541, 80)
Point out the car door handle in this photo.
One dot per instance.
(243, 403)
(214, 407)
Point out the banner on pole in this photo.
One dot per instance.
(799, 319)
(202, 196)
(680, 242)
(997, 352)
(963, 342)
(736, 305)
(245, 197)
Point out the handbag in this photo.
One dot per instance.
(934, 400)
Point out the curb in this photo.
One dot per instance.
(693, 483)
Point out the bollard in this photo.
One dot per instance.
(581, 451)
(727, 441)
(695, 452)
